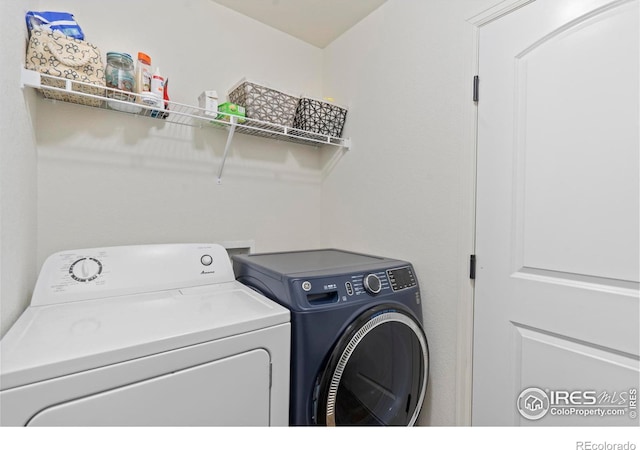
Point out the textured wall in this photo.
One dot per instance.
(114, 179)
(17, 171)
(405, 190)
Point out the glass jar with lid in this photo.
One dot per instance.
(119, 74)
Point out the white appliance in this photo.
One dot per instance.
(142, 336)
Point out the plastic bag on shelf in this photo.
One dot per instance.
(54, 21)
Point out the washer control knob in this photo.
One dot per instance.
(206, 260)
(372, 284)
(85, 269)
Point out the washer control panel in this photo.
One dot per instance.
(112, 271)
(355, 286)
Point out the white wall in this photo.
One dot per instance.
(406, 188)
(113, 179)
(17, 172)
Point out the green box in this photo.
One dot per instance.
(232, 109)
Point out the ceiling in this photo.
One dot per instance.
(317, 22)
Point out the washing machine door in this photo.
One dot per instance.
(377, 373)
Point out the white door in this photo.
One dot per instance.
(556, 317)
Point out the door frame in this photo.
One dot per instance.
(464, 361)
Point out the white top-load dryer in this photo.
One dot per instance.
(142, 336)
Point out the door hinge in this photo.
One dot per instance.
(476, 84)
(472, 267)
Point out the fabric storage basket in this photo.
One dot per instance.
(53, 53)
(263, 103)
(317, 116)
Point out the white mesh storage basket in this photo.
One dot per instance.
(263, 103)
(317, 116)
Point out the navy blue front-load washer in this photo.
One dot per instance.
(359, 354)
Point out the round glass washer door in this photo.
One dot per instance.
(377, 373)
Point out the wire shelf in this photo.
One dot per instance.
(86, 94)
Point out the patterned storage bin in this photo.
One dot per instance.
(58, 55)
(263, 103)
(317, 116)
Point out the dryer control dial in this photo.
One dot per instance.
(372, 284)
(85, 269)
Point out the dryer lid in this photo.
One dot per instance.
(60, 339)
